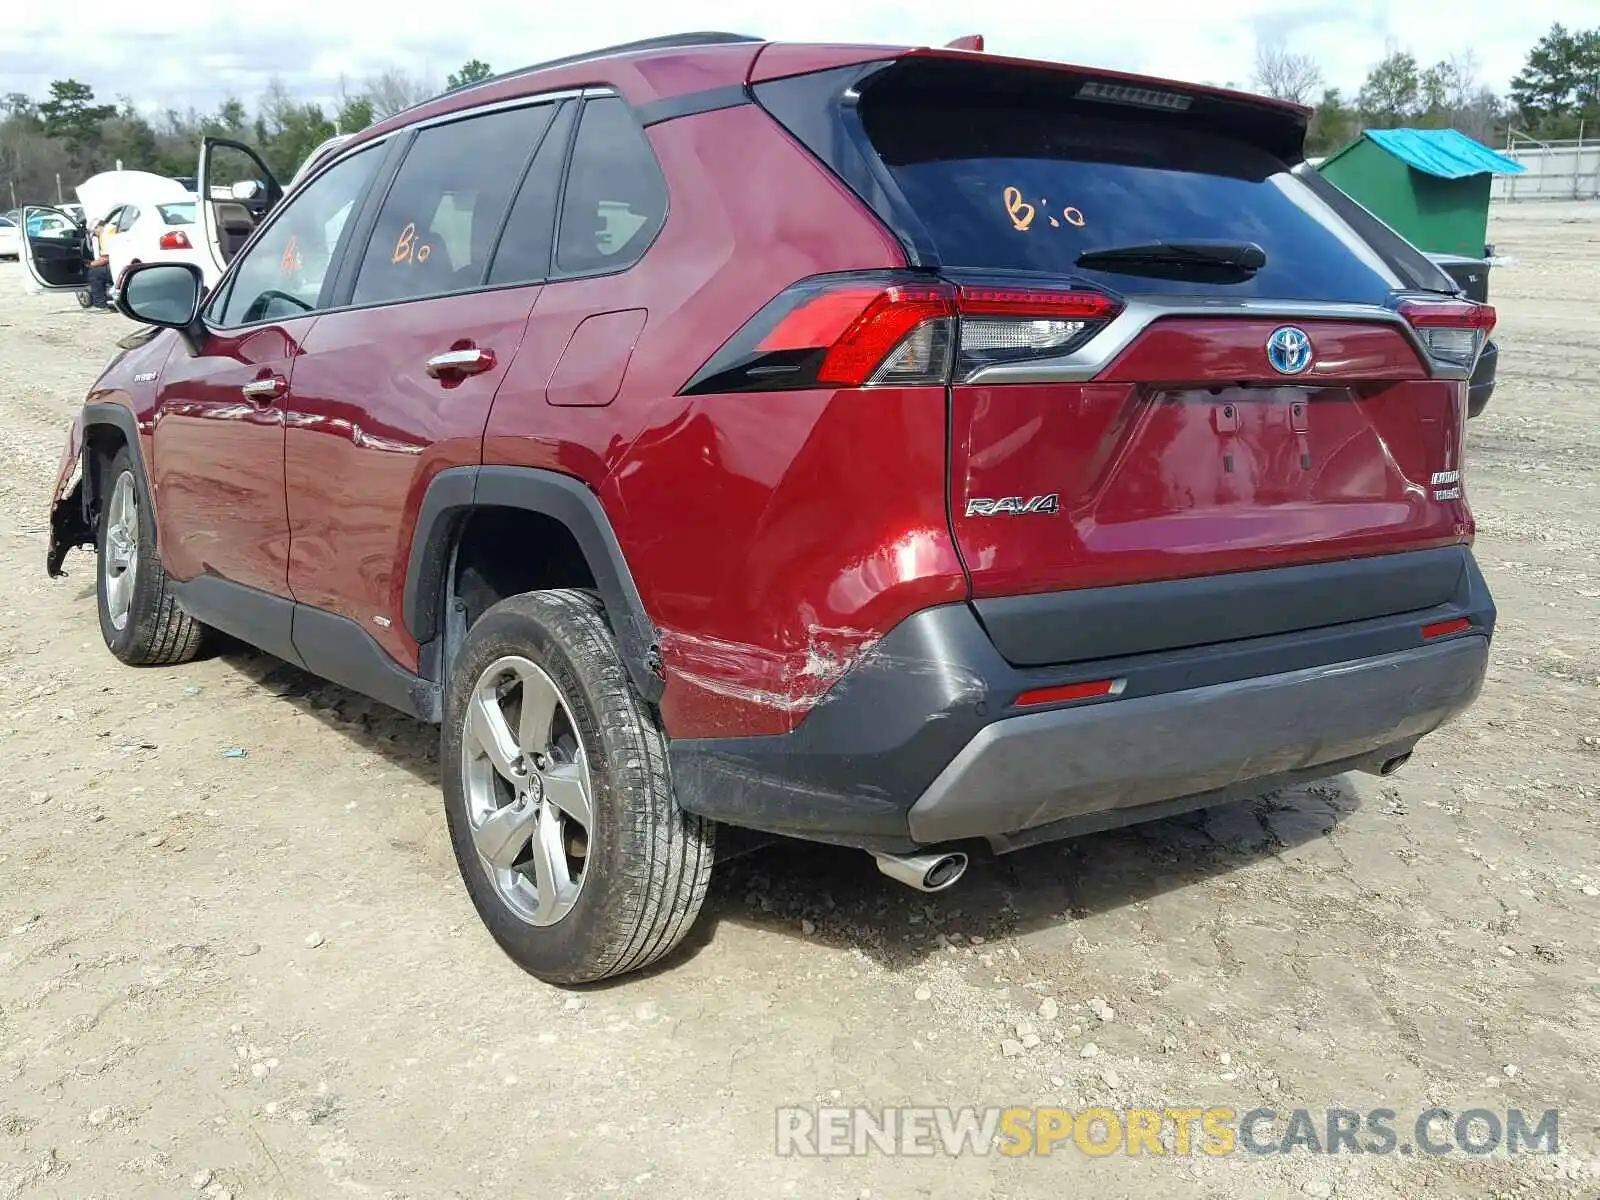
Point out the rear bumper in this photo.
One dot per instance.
(1030, 771)
(922, 741)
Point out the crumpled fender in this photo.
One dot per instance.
(69, 524)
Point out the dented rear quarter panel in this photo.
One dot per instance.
(773, 537)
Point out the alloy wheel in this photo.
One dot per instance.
(525, 775)
(122, 550)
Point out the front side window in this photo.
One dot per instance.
(281, 276)
(438, 224)
(616, 198)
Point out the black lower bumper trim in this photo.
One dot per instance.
(1037, 768)
(853, 770)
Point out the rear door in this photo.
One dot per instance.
(1176, 357)
(55, 249)
(395, 386)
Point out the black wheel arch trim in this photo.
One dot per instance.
(73, 518)
(450, 499)
(120, 417)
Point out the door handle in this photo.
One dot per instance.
(471, 361)
(264, 391)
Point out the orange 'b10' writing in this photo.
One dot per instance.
(1022, 213)
(406, 250)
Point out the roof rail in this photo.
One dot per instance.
(705, 38)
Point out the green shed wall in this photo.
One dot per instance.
(1446, 216)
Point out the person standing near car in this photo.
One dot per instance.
(99, 274)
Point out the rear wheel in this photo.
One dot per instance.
(559, 802)
(139, 617)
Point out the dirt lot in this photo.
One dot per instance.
(259, 976)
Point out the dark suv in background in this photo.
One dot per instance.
(911, 450)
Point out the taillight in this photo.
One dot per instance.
(1001, 324)
(897, 330)
(1452, 331)
(175, 240)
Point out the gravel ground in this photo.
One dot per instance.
(259, 976)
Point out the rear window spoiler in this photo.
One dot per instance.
(1276, 126)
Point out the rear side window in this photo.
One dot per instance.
(616, 198)
(523, 255)
(438, 224)
(1014, 185)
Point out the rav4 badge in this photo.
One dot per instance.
(1014, 506)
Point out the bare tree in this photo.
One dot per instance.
(394, 90)
(1284, 74)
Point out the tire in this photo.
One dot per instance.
(141, 622)
(644, 864)
(83, 298)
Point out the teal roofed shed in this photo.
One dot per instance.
(1431, 185)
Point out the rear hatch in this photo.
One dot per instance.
(1177, 356)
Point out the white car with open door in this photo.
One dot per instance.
(55, 251)
(160, 233)
(123, 199)
(10, 239)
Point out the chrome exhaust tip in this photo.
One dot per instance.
(924, 872)
(1392, 765)
(1387, 766)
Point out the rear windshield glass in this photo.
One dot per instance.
(1016, 187)
(177, 214)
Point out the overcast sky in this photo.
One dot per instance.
(177, 54)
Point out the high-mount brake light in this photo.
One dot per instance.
(1453, 332)
(898, 330)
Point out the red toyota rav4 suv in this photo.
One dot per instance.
(903, 449)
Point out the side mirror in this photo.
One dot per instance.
(245, 189)
(165, 294)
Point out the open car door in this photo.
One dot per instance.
(236, 191)
(55, 249)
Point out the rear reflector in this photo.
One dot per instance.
(1445, 628)
(1064, 692)
(1453, 332)
(888, 329)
